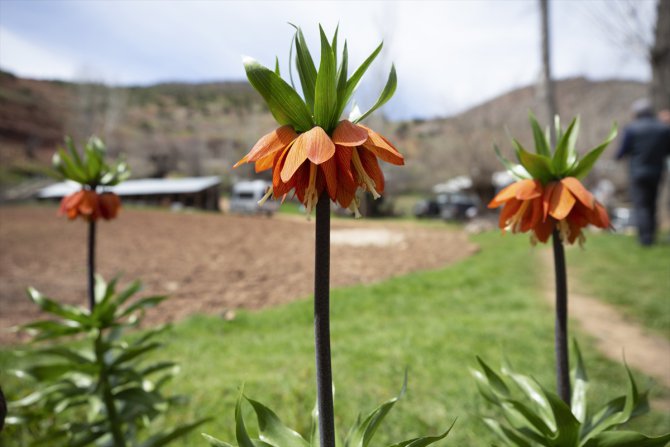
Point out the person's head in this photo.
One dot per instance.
(642, 108)
(664, 116)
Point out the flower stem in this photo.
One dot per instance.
(561, 332)
(324, 375)
(91, 265)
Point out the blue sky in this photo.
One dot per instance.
(450, 55)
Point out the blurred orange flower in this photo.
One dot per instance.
(90, 205)
(564, 204)
(313, 161)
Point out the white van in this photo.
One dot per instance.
(246, 194)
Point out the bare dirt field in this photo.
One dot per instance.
(207, 263)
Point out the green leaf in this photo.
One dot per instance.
(277, 71)
(215, 442)
(534, 393)
(71, 313)
(585, 165)
(627, 439)
(131, 290)
(509, 437)
(325, 95)
(241, 434)
(425, 440)
(69, 169)
(306, 68)
(516, 170)
(538, 166)
(580, 384)
(541, 143)
(495, 382)
(363, 431)
(144, 303)
(285, 104)
(272, 430)
(314, 440)
(131, 353)
(559, 162)
(342, 77)
(165, 438)
(568, 426)
(352, 83)
(386, 94)
(44, 330)
(64, 352)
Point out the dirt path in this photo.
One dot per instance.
(206, 263)
(615, 335)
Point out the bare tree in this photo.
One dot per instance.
(659, 57)
(629, 24)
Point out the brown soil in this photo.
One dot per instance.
(207, 263)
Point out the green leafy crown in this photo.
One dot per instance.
(546, 166)
(325, 92)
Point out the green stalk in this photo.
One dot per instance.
(561, 330)
(324, 375)
(107, 396)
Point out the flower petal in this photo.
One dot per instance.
(382, 147)
(528, 189)
(318, 144)
(544, 229)
(371, 167)
(510, 208)
(578, 190)
(329, 169)
(348, 134)
(561, 202)
(507, 193)
(275, 141)
(533, 216)
(295, 157)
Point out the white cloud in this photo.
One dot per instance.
(32, 59)
(450, 55)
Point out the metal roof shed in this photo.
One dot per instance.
(196, 192)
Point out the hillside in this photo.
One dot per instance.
(202, 129)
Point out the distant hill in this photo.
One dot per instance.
(202, 129)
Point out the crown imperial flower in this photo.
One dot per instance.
(548, 193)
(314, 152)
(92, 172)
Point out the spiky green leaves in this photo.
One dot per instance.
(564, 162)
(273, 433)
(90, 168)
(540, 417)
(326, 92)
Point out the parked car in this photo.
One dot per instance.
(246, 194)
(448, 206)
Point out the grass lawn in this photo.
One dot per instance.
(636, 279)
(434, 323)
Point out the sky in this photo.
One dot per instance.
(450, 55)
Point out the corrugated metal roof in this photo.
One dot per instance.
(143, 187)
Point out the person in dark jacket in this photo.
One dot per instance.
(646, 142)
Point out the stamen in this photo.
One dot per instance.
(265, 197)
(354, 208)
(564, 230)
(515, 220)
(311, 195)
(358, 166)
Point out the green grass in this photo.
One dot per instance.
(434, 323)
(616, 269)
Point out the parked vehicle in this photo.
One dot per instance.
(246, 194)
(448, 206)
